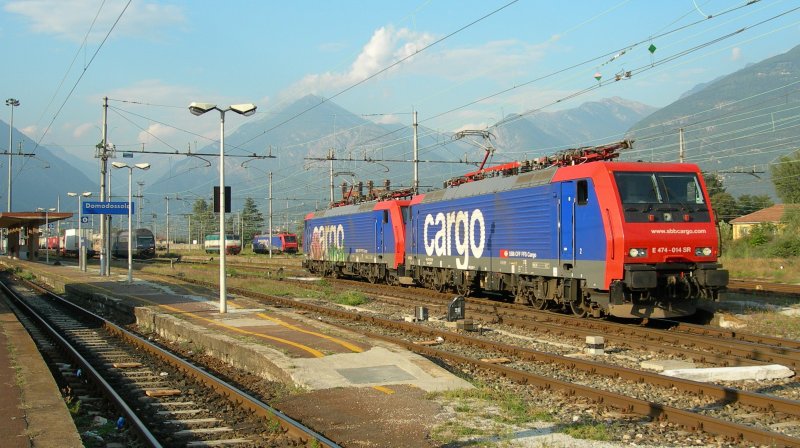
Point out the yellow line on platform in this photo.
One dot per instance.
(314, 352)
(383, 389)
(345, 344)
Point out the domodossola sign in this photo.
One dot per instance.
(107, 208)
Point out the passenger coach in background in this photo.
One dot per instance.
(233, 244)
(575, 231)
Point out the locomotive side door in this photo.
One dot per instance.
(566, 225)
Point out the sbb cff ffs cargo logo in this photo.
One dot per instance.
(462, 230)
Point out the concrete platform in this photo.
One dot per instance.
(274, 343)
(32, 410)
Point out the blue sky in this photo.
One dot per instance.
(161, 55)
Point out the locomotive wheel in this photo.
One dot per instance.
(538, 303)
(373, 276)
(463, 290)
(578, 309)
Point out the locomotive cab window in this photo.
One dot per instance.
(385, 216)
(656, 196)
(583, 192)
(406, 215)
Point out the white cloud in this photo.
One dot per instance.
(72, 19)
(30, 131)
(736, 53)
(387, 119)
(502, 59)
(83, 129)
(155, 133)
(385, 47)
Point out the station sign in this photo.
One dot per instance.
(107, 208)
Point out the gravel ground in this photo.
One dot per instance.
(622, 430)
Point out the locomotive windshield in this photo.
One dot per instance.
(661, 192)
(290, 238)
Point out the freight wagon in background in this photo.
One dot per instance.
(575, 231)
(69, 244)
(282, 242)
(233, 245)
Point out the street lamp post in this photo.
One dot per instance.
(141, 166)
(241, 109)
(13, 103)
(81, 251)
(46, 232)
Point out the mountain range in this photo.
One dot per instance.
(733, 126)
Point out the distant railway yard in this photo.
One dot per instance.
(538, 377)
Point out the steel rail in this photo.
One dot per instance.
(725, 394)
(71, 352)
(291, 426)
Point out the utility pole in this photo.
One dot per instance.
(167, 198)
(680, 146)
(141, 210)
(189, 218)
(270, 214)
(103, 154)
(13, 103)
(415, 185)
(330, 156)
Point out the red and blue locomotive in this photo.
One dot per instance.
(575, 231)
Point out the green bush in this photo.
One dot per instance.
(786, 247)
(761, 234)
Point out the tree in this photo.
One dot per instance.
(713, 184)
(785, 176)
(202, 220)
(724, 205)
(252, 219)
(747, 203)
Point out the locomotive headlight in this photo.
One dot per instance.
(702, 251)
(636, 253)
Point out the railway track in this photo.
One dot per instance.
(700, 343)
(163, 399)
(762, 418)
(779, 409)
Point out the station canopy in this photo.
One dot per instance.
(10, 220)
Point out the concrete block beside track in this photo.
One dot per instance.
(755, 373)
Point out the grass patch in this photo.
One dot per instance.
(587, 431)
(767, 322)
(484, 411)
(786, 270)
(351, 298)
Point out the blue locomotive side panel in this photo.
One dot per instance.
(349, 236)
(531, 230)
(475, 231)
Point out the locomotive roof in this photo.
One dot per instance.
(344, 210)
(492, 185)
(546, 176)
